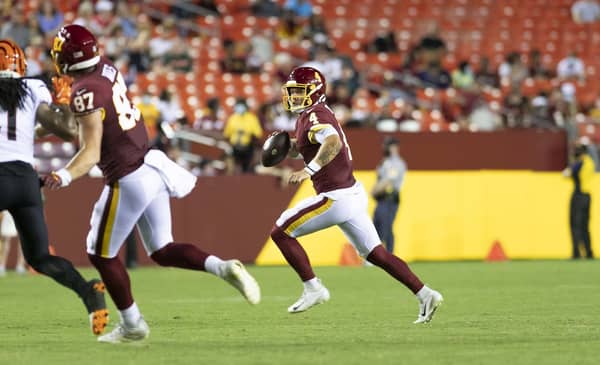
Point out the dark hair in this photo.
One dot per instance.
(12, 93)
(580, 149)
(387, 142)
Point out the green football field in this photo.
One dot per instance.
(528, 312)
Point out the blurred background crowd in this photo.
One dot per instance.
(210, 71)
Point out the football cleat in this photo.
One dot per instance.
(310, 298)
(96, 306)
(428, 307)
(236, 274)
(123, 333)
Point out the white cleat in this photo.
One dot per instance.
(123, 333)
(428, 307)
(236, 274)
(310, 298)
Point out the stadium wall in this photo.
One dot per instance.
(453, 207)
(459, 215)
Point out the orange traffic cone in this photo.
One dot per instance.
(349, 256)
(496, 253)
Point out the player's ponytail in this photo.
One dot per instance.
(13, 92)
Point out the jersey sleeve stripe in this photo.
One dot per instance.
(314, 129)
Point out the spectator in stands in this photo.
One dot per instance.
(283, 63)
(463, 77)
(151, 113)
(242, 131)
(513, 69)
(289, 27)
(139, 49)
(483, 118)
(17, 28)
(384, 41)
(340, 95)
(85, 15)
(316, 30)
(178, 59)
(261, 49)
(164, 42)
(540, 115)
(104, 20)
(210, 123)
(571, 68)
(582, 172)
(585, 11)
(485, 76)
(265, 8)
(236, 57)
(326, 61)
(435, 76)
(432, 47)
(536, 66)
(515, 107)
(50, 18)
(126, 15)
(115, 43)
(301, 8)
(170, 108)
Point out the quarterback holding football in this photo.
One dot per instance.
(340, 200)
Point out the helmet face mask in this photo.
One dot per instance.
(74, 48)
(305, 87)
(13, 63)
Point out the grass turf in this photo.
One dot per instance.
(528, 312)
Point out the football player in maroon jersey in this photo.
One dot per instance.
(139, 182)
(340, 199)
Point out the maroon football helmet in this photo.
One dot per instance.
(304, 87)
(74, 48)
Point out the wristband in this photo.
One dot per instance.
(65, 177)
(312, 168)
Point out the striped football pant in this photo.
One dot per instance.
(139, 199)
(347, 211)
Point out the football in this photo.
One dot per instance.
(275, 148)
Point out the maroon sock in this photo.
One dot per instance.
(293, 253)
(395, 267)
(182, 255)
(115, 279)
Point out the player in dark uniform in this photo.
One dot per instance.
(23, 102)
(340, 199)
(139, 182)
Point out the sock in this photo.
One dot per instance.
(115, 277)
(293, 253)
(395, 267)
(213, 265)
(423, 293)
(182, 255)
(312, 284)
(62, 271)
(131, 315)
